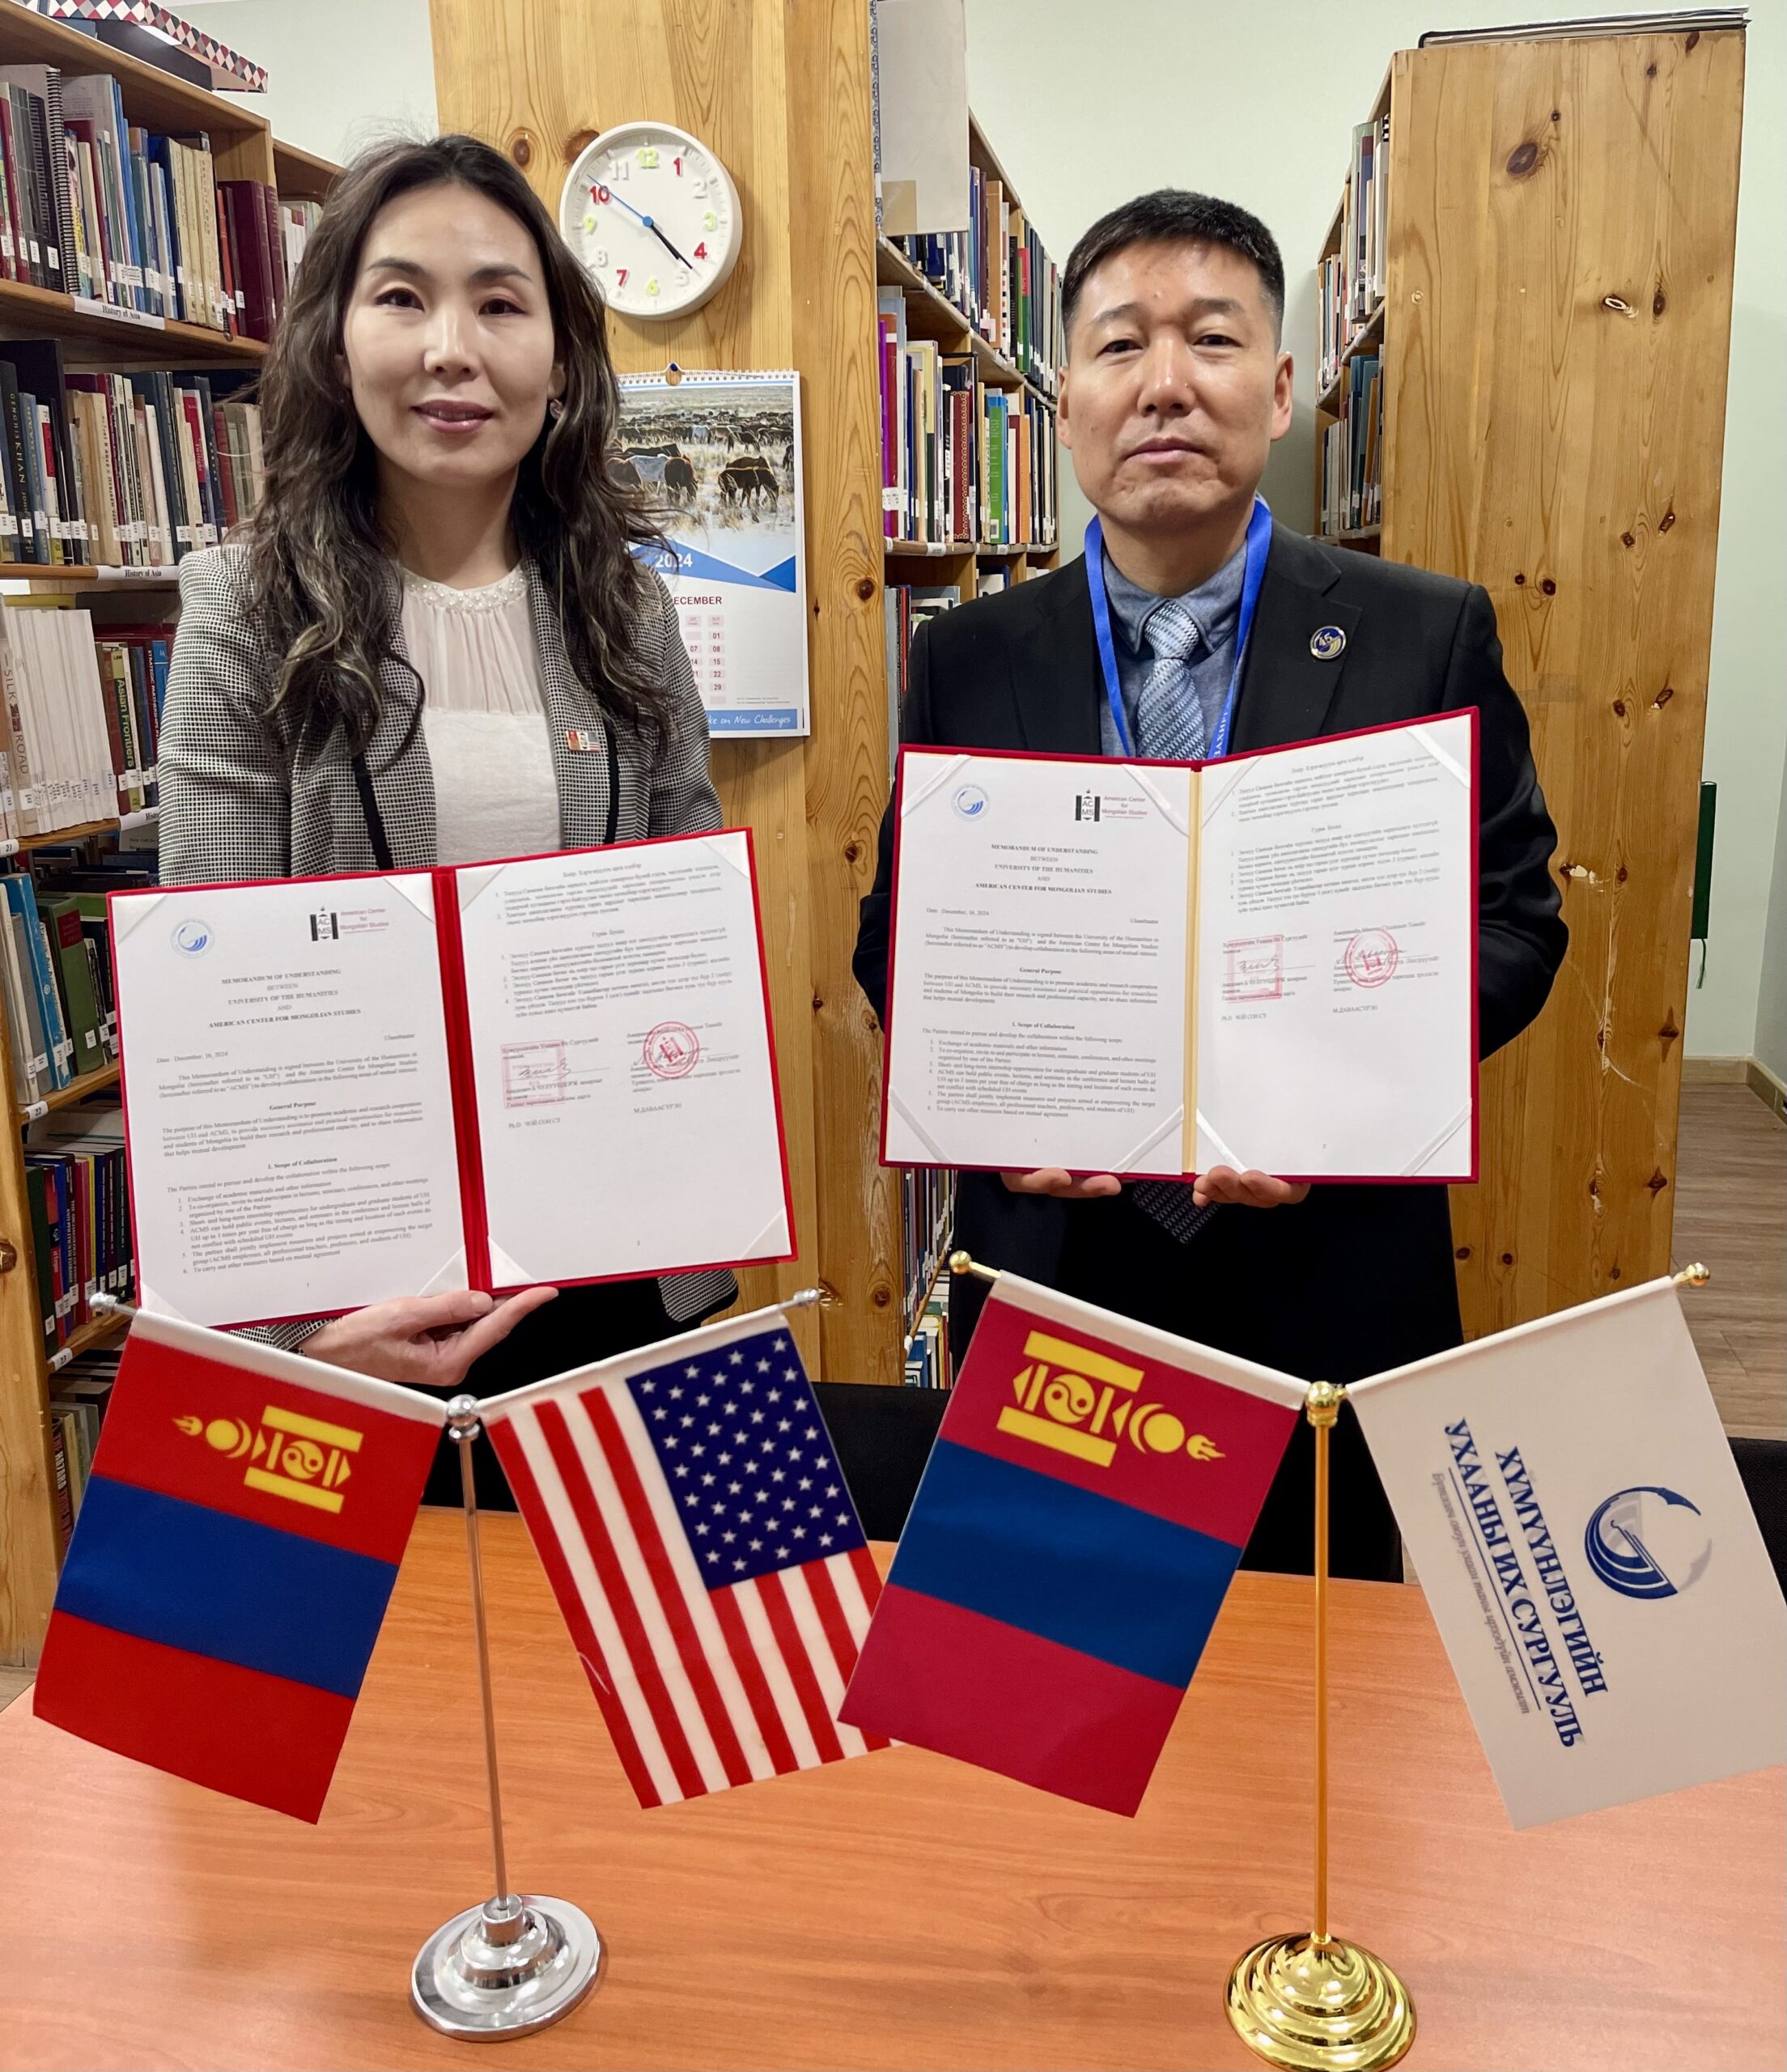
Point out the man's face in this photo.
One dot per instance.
(1175, 387)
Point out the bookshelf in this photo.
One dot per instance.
(1552, 333)
(92, 338)
(782, 96)
(921, 574)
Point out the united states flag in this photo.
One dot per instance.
(690, 1510)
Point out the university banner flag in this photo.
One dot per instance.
(691, 1515)
(1091, 1487)
(1595, 1570)
(235, 1551)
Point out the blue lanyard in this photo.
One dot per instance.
(1259, 537)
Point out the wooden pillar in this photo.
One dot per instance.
(779, 88)
(1559, 309)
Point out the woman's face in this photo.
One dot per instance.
(449, 339)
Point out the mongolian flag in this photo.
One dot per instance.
(1091, 1488)
(236, 1547)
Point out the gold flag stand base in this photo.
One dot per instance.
(1312, 2005)
(1312, 2002)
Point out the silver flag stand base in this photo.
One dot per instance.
(515, 1964)
(506, 1968)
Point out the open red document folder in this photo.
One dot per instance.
(555, 1068)
(1153, 968)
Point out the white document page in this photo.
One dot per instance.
(1038, 1014)
(291, 1113)
(1335, 955)
(621, 1053)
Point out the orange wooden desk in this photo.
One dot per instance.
(898, 1910)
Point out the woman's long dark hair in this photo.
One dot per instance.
(319, 566)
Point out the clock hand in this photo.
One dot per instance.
(644, 221)
(665, 242)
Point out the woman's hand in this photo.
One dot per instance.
(423, 1341)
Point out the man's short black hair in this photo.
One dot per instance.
(1172, 215)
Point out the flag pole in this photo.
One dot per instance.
(1314, 2000)
(518, 1962)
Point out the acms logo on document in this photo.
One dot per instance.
(969, 802)
(192, 938)
(1648, 1541)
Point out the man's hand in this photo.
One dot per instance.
(1249, 1189)
(423, 1341)
(1221, 1184)
(1057, 1181)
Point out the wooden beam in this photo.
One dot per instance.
(1563, 218)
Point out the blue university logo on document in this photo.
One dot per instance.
(192, 937)
(1648, 1541)
(969, 802)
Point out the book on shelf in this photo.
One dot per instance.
(928, 1206)
(121, 470)
(75, 1185)
(997, 273)
(56, 973)
(928, 1361)
(80, 1392)
(80, 715)
(1351, 280)
(907, 606)
(1352, 464)
(96, 207)
(963, 463)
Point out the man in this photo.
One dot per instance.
(1175, 389)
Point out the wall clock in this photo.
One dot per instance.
(654, 217)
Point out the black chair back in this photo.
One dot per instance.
(884, 1437)
(1763, 1464)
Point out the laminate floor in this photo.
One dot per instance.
(1731, 1214)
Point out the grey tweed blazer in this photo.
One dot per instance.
(239, 800)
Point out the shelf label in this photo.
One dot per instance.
(89, 306)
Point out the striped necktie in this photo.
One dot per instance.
(1169, 715)
(1169, 727)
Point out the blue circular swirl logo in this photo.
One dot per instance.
(192, 938)
(1648, 1541)
(970, 801)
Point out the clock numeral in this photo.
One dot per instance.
(678, 163)
(601, 194)
(620, 276)
(698, 187)
(618, 169)
(709, 220)
(701, 249)
(652, 285)
(589, 220)
(599, 257)
(648, 157)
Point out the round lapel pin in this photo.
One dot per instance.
(1327, 641)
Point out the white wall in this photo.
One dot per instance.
(1087, 105)
(1771, 1043)
(340, 74)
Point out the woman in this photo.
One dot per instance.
(432, 643)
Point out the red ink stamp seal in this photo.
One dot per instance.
(1371, 959)
(534, 1075)
(672, 1051)
(1254, 968)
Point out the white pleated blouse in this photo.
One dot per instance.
(484, 718)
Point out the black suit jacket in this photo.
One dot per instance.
(1354, 1278)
